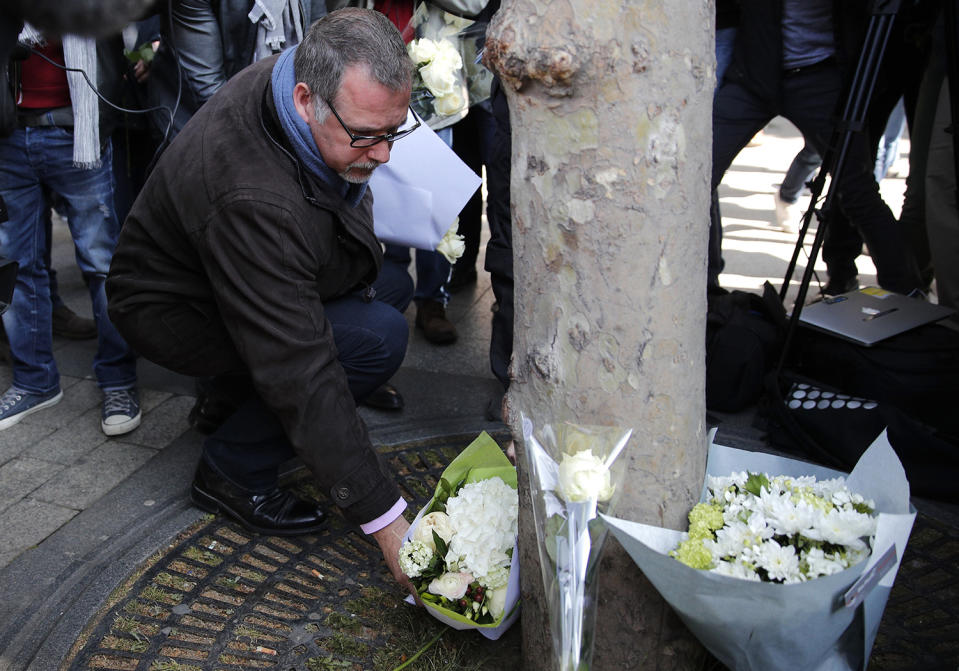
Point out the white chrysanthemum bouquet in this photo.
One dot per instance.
(780, 529)
(797, 568)
(460, 552)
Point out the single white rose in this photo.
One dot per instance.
(449, 104)
(448, 55)
(452, 245)
(438, 522)
(584, 476)
(451, 585)
(439, 78)
(496, 602)
(421, 51)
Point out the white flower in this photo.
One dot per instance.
(451, 585)
(819, 563)
(583, 476)
(439, 77)
(844, 527)
(736, 569)
(496, 602)
(449, 104)
(414, 557)
(421, 50)
(484, 516)
(780, 561)
(438, 522)
(786, 517)
(452, 245)
(497, 577)
(779, 533)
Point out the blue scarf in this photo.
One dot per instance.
(298, 132)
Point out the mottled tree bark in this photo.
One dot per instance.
(610, 105)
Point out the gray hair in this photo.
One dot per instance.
(346, 37)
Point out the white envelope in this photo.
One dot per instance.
(420, 192)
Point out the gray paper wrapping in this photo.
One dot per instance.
(765, 626)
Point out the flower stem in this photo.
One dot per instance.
(421, 651)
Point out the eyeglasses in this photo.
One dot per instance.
(370, 140)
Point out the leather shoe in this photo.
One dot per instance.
(384, 397)
(277, 512)
(837, 287)
(68, 324)
(461, 278)
(431, 317)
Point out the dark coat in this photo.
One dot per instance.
(758, 55)
(230, 223)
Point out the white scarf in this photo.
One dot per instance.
(79, 53)
(280, 26)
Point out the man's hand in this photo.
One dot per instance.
(390, 540)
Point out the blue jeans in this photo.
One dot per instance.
(31, 159)
(802, 169)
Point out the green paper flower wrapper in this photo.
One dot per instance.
(481, 460)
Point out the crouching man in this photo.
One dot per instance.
(249, 257)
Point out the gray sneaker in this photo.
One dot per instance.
(121, 411)
(15, 404)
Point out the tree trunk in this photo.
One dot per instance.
(611, 105)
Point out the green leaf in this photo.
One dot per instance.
(756, 482)
(441, 547)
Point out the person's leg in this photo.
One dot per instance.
(809, 102)
(238, 469)
(802, 169)
(887, 151)
(499, 250)
(466, 143)
(912, 217)
(737, 116)
(22, 239)
(87, 196)
(942, 219)
(725, 45)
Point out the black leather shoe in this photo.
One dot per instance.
(276, 512)
(384, 397)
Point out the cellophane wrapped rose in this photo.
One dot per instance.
(460, 552)
(443, 81)
(574, 473)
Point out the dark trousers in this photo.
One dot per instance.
(808, 99)
(499, 249)
(250, 445)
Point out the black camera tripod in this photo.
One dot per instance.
(853, 120)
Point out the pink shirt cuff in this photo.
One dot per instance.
(384, 519)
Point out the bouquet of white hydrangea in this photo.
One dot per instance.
(460, 552)
(797, 568)
(777, 529)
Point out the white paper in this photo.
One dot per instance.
(420, 192)
(759, 626)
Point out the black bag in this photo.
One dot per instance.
(823, 424)
(744, 337)
(916, 371)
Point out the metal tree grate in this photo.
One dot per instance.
(220, 597)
